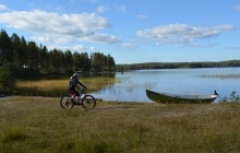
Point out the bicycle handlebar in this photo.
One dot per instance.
(84, 91)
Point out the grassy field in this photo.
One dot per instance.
(58, 87)
(38, 124)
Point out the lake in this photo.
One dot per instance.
(131, 85)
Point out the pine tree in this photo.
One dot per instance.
(7, 81)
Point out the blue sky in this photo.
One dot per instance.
(129, 30)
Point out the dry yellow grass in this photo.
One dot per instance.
(59, 87)
(51, 84)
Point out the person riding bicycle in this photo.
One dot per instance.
(73, 84)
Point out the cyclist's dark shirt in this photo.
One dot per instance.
(73, 83)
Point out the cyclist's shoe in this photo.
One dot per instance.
(70, 105)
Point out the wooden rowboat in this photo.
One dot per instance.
(175, 98)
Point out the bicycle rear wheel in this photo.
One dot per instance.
(88, 102)
(66, 103)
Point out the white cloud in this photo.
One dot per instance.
(53, 23)
(101, 38)
(81, 48)
(55, 39)
(129, 45)
(48, 25)
(181, 33)
(102, 9)
(3, 7)
(74, 48)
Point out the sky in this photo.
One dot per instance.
(131, 31)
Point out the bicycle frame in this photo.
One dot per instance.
(80, 93)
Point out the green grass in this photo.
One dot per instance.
(38, 124)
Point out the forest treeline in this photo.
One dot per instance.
(176, 65)
(28, 56)
(25, 59)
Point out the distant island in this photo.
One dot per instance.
(177, 65)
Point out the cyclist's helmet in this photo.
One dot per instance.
(75, 75)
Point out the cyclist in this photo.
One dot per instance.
(73, 84)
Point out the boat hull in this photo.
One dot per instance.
(173, 98)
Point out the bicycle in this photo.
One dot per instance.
(87, 101)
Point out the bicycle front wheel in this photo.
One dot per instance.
(88, 102)
(66, 103)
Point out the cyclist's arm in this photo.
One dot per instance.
(82, 85)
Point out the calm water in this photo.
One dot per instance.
(132, 85)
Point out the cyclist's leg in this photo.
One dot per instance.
(74, 94)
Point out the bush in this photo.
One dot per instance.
(234, 97)
(7, 79)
